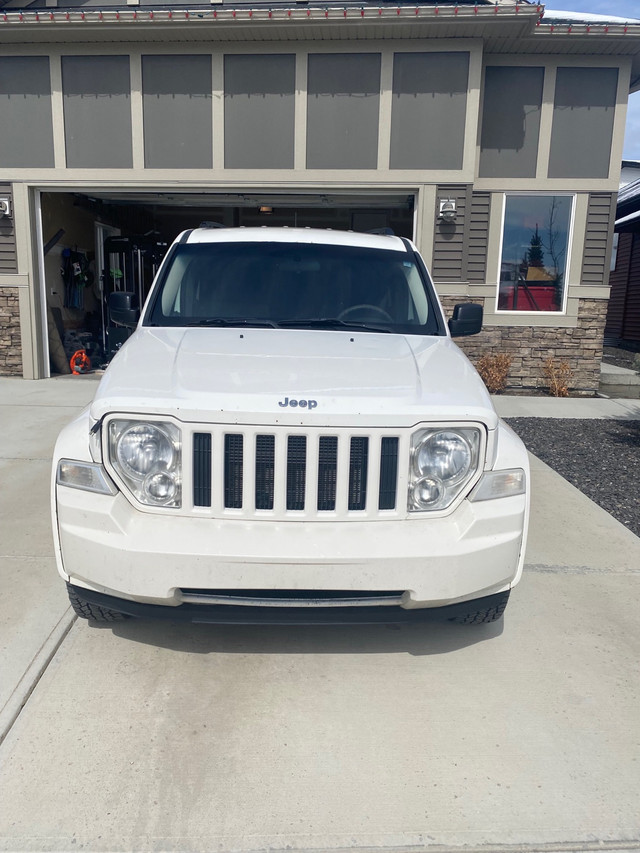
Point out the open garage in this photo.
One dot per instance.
(97, 242)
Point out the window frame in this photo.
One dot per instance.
(567, 266)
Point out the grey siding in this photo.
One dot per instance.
(478, 237)
(8, 258)
(583, 112)
(176, 93)
(598, 240)
(631, 327)
(450, 239)
(429, 110)
(511, 122)
(259, 111)
(25, 112)
(619, 280)
(97, 111)
(342, 111)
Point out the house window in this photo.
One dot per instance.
(535, 248)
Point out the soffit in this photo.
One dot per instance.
(503, 29)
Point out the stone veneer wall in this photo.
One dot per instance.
(10, 338)
(530, 346)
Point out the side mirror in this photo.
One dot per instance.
(466, 320)
(124, 308)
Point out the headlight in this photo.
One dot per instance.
(147, 456)
(443, 462)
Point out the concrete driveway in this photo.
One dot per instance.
(520, 735)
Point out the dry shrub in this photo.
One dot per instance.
(494, 370)
(558, 375)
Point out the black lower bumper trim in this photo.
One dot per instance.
(227, 614)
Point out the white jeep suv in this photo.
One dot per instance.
(290, 435)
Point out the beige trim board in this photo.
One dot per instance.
(554, 60)
(283, 45)
(209, 179)
(16, 280)
(27, 334)
(426, 221)
(589, 291)
(244, 187)
(543, 321)
(546, 185)
(137, 111)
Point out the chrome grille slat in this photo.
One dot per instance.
(342, 494)
(280, 470)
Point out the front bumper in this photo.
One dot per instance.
(109, 547)
(237, 615)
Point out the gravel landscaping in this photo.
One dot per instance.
(599, 457)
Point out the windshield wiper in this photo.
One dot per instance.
(231, 322)
(330, 323)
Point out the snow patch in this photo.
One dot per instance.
(585, 18)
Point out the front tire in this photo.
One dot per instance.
(93, 612)
(482, 617)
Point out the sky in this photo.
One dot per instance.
(619, 8)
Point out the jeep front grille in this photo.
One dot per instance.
(258, 473)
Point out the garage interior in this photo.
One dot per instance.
(95, 243)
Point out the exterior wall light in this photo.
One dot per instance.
(5, 207)
(264, 208)
(448, 210)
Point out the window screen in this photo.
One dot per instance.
(176, 92)
(429, 110)
(343, 104)
(583, 115)
(511, 122)
(97, 111)
(259, 111)
(25, 112)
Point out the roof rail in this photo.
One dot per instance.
(207, 224)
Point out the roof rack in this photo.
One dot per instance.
(385, 232)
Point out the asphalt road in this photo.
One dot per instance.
(521, 735)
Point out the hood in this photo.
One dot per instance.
(292, 376)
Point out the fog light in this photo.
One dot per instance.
(160, 487)
(427, 491)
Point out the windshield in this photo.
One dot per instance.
(293, 285)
